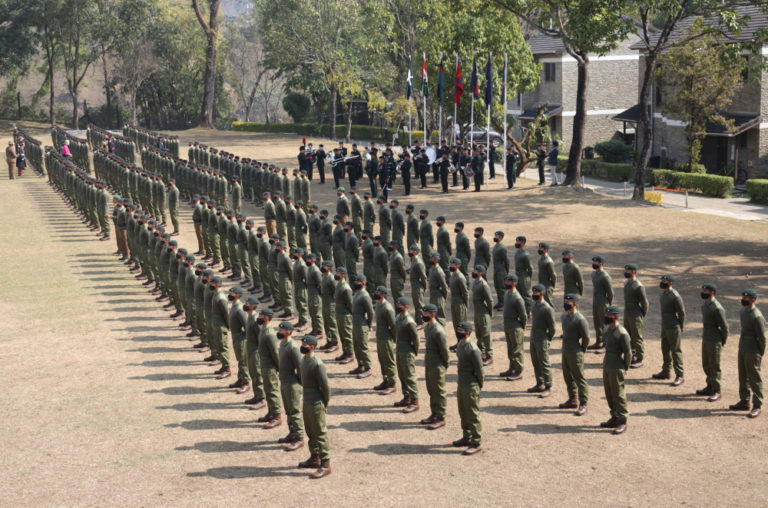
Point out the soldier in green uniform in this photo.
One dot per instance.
(281, 215)
(343, 299)
(269, 213)
(713, 338)
(326, 236)
(672, 328)
(397, 271)
(301, 226)
(470, 382)
(398, 225)
(369, 212)
(426, 237)
(342, 205)
(339, 240)
(385, 341)
(459, 294)
(328, 293)
(418, 274)
(482, 303)
(238, 321)
(252, 332)
(351, 249)
(290, 222)
(435, 364)
(438, 287)
(385, 219)
(542, 331)
(573, 280)
(618, 356)
(602, 297)
(500, 268)
(213, 235)
(356, 208)
(524, 272)
(463, 249)
(317, 394)
(515, 319)
(237, 195)
(269, 357)
(219, 326)
(300, 288)
(412, 226)
(575, 342)
(635, 310)
(173, 204)
(547, 276)
(289, 369)
(314, 278)
(285, 275)
(407, 348)
(482, 249)
(751, 351)
(314, 225)
(362, 319)
(443, 243)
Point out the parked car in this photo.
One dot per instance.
(480, 136)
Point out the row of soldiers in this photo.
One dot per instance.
(141, 137)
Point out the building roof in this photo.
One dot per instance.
(545, 45)
(631, 115)
(758, 20)
(741, 121)
(551, 110)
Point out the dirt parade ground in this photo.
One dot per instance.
(105, 402)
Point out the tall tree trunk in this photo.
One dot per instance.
(107, 88)
(573, 173)
(211, 28)
(645, 124)
(18, 104)
(75, 109)
(333, 111)
(349, 121)
(52, 103)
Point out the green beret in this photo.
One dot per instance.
(278, 193)
(204, 197)
(466, 325)
(403, 301)
(340, 189)
(480, 268)
(253, 301)
(630, 266)
(480, 229)
(207, 273)
(173, 243)
(669, 277)
(367, 231)
(182, 251)
(116, 197)
(267, 312)
(299, 250)
(237, 290)
(512, 277)
(202, 266)
(572, 297)
(286, 325)
(394, 202)
(750, 293)
(409, 207)
(261, 229)
(328, 262)
(613, 309)
(598, 259)
(424, 211)
(455, 261)
(274, 235)
(440, 218)
(382, 289)
(434, 255)
(544, 245)
(310, 256)
(539, 287)
(195, 196)
(430, 307)
(459, 224)
(709, 286)
(414, 247)
(361, 278)
(190, 258)
(216, 279)
(337, 217)
(341, 269)
(299, 203)
(309, 339)
(567, 251)
(500, 233)
(377, 238)
(280, 244)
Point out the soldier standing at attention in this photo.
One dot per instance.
(328, 293)
(482, 249)
(407, 348)
(500, 268)
(635, 310)
(317, 394)
(356, 206)
(300, 288)
(237, 194)
(542, 331)
(515, 318)
(343, 306)
(326, 236)
(342, 205)
(270, 362)
(435, 363)
(751, 351)
(386, 332)
(380, 267)
(315, 224)
(301, 226)
(463, 249)
(618, 355)
(672, 327)
(173, 205)
(426, 238)
(412, 224)
(547, 276)
(397, 272)
(482, 302)
(219, 327)
(713, 339)
(238, 321)
(524, 272)
(314, 294)
(339, 242)
(351, 250)
(438, 288)
(470, 367)
(285, 274)
(459, 294)
(398, 224)
(443, 243)
(385, 219)
(362, 319)
(252, 331)
(575, 342)
(369, 212)
(418, 274)
(602, 298)
(573, 281)
(269, 213)
(290, 387)
(281, 216)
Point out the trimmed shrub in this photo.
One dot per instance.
(614, 150)
(708, 185)
(758, 191)
(597, 168)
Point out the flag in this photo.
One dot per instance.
(409, 80)
(504, 84)
(488, 82)
(458, 84)
(441, 81)
(473, 85)
(424, 77)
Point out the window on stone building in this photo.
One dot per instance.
(549, 72)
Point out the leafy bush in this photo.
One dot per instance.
(708, 185)
(597, 168)
(682, 167)
(614, 150)
(297, 106)
(758, 191)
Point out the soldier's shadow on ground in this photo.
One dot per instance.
(230, 446)
(677, 413)
(375, 425)
(549, 428)
(407, 449)
(212, 424)
(240, 472)
(204, 406)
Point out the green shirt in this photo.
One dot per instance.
(635, 300)
(385, 321)
(268, 347)
(515, 315)
(407, 337)
(672, 309)
(618, 350)
(470, 364)
(547, 271)
(752, 337)
(713, 319)
(436, 346)
(573, 279)
(602, 288)
(315, 381)
(575, 332)
(542, 321)
(289, 362)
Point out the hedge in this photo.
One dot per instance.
(758, 191)
(366, 132)
(597, 168)
(715, 186)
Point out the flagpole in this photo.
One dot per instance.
(410, 124)
(440, 116)
(504, 153)
(455, 120)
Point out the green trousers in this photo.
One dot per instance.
(224, 248)
(417, 298)
(613, 382)
(234, 258)
(385, 349)
(290, 389)
(329, 323)
(524, 288)
(286, 294)
(301, 239)
(215, 247)
(360, 344)
(540, 360)
(245, 262)
(515, 338)
(468, 398)
(301, 305)
(269, 376)
(291, 232)
(573, 374)
(315, 305)
(710, 362)
(175, 220)
(483, 333)
(397, 286)
(317, 432)
(548, 295)
(499, 281)
(282, 230)
(634, 326)
(239, 344)
(458, 314)
(435, 378)
(220, 344)
(598, 316)
(254, 369)
(670, 350)
(344, 327)
(406, 371)
(749, 378)
(255, 268)
(439, 301)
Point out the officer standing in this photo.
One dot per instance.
(470, 382)
(482, 302)
(751, 351)
(524, 272)
(500, 268)
(672, 327)
(290, 387)
(713, 338)
(618, 355)
(317, 394)
(515, 319)
(542, 331)
(435, 364)
(386, 332)
(575, 342)
(407, 348)
(547, 276)
(602, 297)
(635, 310)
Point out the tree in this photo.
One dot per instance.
(700, 78)
(46, 16)
(246, 61)
(211, 29)
(18, 44)
(296, 105)
(136, 61)
(585, 28)
(79, 50)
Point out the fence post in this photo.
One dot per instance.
(686, 199)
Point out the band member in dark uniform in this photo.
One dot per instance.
(372, 170)
(405, 170)
(421, 167)
(320, 154)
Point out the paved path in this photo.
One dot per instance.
(735, 208)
